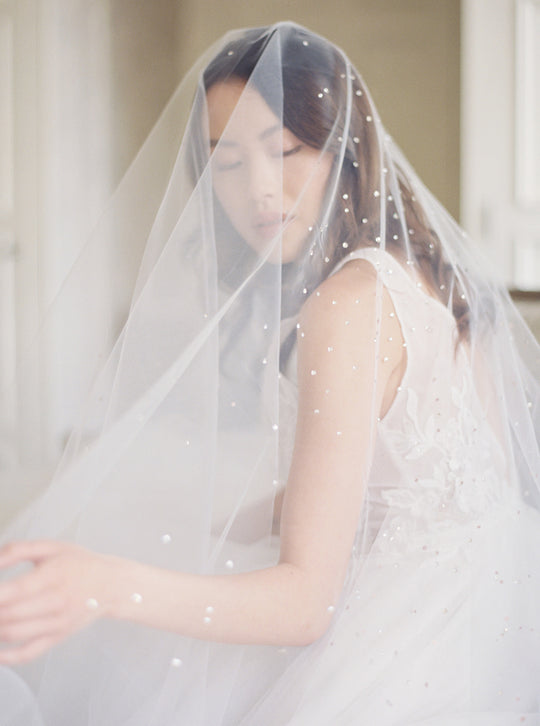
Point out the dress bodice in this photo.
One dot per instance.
(437, 457)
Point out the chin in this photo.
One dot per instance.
(292, 246)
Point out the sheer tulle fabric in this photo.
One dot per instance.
(185, 434)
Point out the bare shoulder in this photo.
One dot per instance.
(357, 277)
(349, 296)
(351, 314)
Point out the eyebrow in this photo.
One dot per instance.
(262, 136)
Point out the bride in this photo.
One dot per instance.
(304, 485)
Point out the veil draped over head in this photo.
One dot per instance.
(268, 174)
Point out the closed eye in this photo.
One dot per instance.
(228, 167)
(294, 150)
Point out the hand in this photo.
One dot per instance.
(64, 591)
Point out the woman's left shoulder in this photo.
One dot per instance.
(356, 277)
(347, 298)
(350, 315)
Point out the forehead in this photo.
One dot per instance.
(238, 112)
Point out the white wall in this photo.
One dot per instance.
(81, 84)
(500, 160)
(54, 179)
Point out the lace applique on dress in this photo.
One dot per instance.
(457, 477)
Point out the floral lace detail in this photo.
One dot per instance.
(455, 453)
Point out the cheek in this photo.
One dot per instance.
(230, 200)
(309, 178)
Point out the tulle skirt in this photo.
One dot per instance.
(441, 634)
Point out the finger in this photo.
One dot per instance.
(16, 591)
(45, 604)
(27, 651)
(32, 630)
(27, 551)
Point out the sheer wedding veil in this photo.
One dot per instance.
(184, 434)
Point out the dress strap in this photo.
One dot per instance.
(394, 276)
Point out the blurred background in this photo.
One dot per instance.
(456, 82)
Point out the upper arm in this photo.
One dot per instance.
(348, 346)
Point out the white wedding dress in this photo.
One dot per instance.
(440, 623)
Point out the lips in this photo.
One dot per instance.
(269, 224)
(268, 219)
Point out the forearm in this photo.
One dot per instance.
(275, 606)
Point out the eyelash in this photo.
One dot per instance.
(236, 164)
(292, 151)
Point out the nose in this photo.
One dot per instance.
(264, 180)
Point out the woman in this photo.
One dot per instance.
(299, 286)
